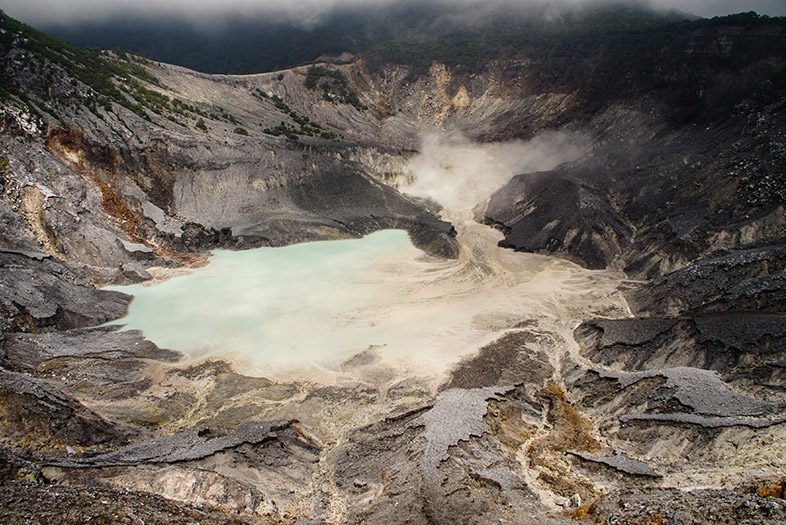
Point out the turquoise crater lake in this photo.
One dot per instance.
(372, 308)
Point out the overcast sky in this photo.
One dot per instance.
(53, 11)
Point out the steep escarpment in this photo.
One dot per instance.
(664, 189)
(113, 165)
(154, 148)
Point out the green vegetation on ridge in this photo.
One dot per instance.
(112, 78)
(91, 67)
(334, 85)
(305, 126)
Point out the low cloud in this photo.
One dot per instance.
(724, 7)
(459, 174)
(74, 11)
(309, 11)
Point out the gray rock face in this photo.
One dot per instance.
(737, 345)
(622, 463)
(557, 212)
(440, 462)
(652, 199)
(359, 205)
(26, 352)
(699, 391)
(456, 416)
(185, 446)
(46, 294)
(736, 280)
(40, 414)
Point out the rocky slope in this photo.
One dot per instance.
(112, 164)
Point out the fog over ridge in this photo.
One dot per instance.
(310, 11)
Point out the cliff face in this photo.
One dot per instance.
(161, 149)
(655, 199)
(112, 164)
(687, 160)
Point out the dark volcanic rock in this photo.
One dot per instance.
(737, 280)
(360, 205)
(559, 212)
(506, 361)
(440, 463)
(207, 465)
(188, 445)
(41, 416)
(738, 346)
(621, 463)
(25, 502)
(653, 199)
(41, 294)
(727, 507)
(197, 238)
(26, 352)
(683, 396)
(94, 364)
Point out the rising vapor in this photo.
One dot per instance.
(458, 173)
